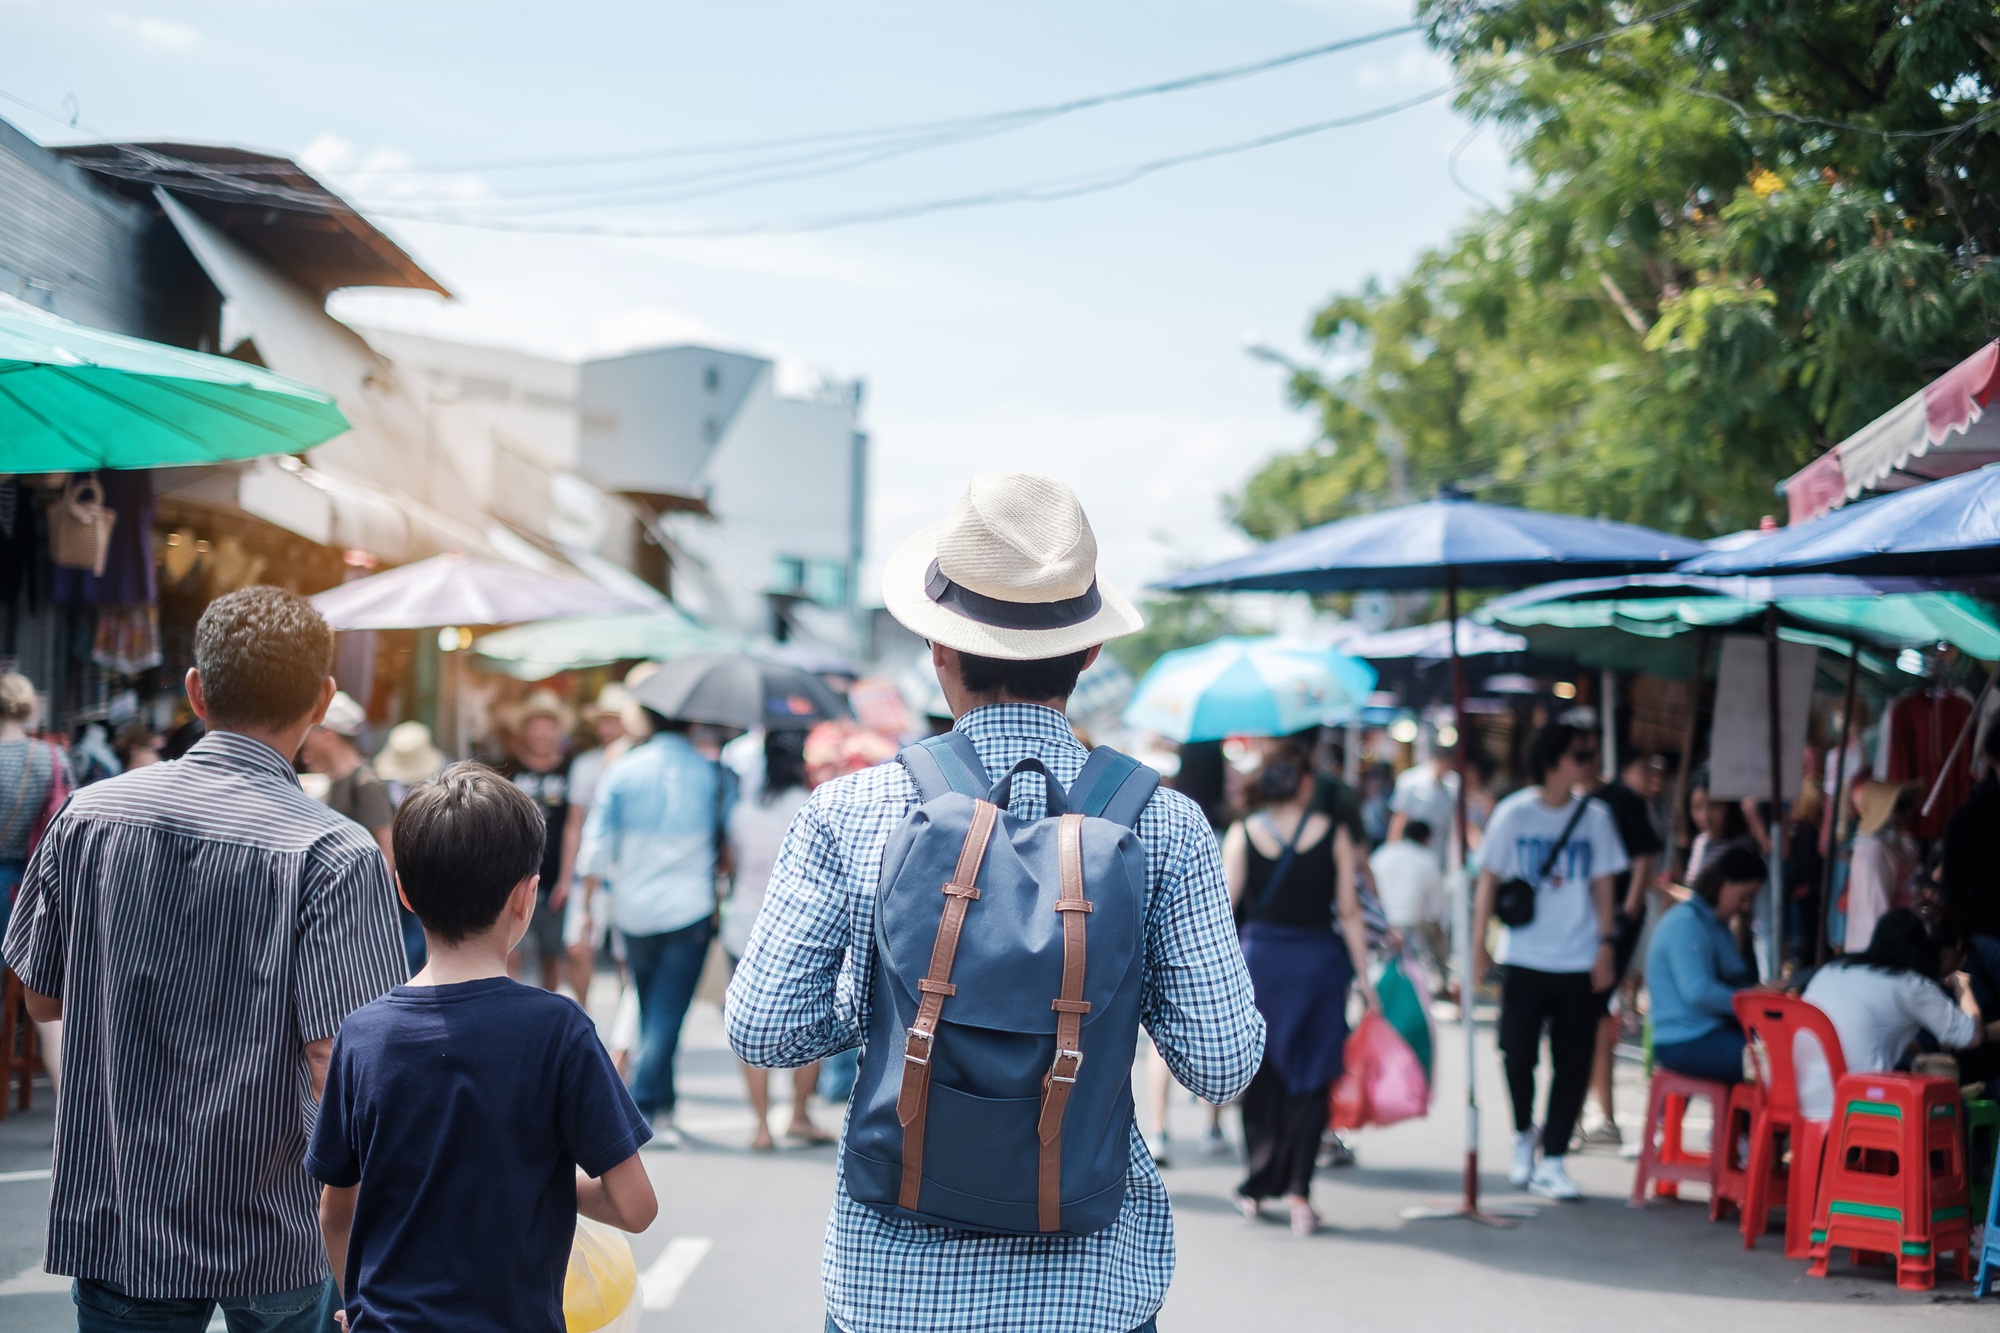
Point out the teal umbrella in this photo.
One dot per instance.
(540, 650)
(73, 398)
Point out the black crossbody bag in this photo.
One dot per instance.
(1514, 900)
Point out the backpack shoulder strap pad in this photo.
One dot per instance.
(946, 763)
(1113, 786)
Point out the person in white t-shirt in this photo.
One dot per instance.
(1409, 880)
(1556, 965)
(1878, 1000)
(1429, 792)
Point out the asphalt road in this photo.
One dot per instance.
(737, 1243)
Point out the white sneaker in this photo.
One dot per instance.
(1525, 1144)
(666, 1134)
(1551, 1181)
(1162, 1151)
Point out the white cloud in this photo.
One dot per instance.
(158, 33)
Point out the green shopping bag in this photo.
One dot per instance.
(1404, 1007)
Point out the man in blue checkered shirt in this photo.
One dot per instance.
(1007, 595)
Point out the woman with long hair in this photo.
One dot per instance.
(1881, 997)
(756, 833)
(1291, 874)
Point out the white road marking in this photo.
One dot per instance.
(9, 1177)
(661, 1283)
(34, 1282)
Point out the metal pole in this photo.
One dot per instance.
(1468, 984)
(1690, 737)
(1839, 798)
(1608, 687)
(1774, 906)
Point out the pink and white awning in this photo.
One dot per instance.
(1939, 431)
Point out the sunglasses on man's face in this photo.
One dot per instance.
(1584, 756)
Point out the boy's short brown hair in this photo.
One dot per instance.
(463, 840)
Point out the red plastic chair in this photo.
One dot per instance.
(1894, 1180)
(1732, 1173)
(1664, 1160)
(1770, 1023)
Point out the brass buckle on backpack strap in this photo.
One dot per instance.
(1075, 1062)
(910, 1046)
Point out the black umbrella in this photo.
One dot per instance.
(734, 690)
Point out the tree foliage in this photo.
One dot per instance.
(1745, 228)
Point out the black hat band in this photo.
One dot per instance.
(998, 614)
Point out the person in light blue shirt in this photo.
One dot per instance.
(655, 833)
(1694, 969)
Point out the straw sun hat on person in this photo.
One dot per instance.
(1012, 574)
(408, 756)
(540, 703)
(1877, 803)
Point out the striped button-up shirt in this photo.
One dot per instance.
(201, 921)
(802, 992)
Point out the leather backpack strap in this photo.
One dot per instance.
(1070, 1008)
(913, 1100)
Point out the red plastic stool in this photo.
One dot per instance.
(1732, 1172)
(1664, 1160)
(1894, 1178)
(1785, 1146)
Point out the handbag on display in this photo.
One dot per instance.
(80, 526)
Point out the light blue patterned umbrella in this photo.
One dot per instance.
(1242, 686)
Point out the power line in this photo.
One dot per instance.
(1045, 192)
(1015, 118)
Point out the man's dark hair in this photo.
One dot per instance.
(1551, 743)
(1737, 865)
(1044, 678)
(1417, 831)
(661, 722)
(263, 654)
(463, 841)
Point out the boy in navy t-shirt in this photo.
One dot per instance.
(467, 1118)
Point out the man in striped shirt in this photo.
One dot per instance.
(204, 926)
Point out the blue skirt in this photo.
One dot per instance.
(1300, 975)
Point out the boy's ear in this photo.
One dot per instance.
(402, 897)
(521, 901)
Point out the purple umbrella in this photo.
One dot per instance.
(458, 589)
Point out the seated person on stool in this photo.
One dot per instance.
(1694, 969)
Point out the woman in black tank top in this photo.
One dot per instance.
(1291, 875)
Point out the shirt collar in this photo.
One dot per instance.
(1032, 721)
(232, 749)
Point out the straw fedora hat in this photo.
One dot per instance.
(540, 703)
(1877, 803)
(1011, 574)
(408, 755)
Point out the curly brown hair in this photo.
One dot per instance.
(263, 653)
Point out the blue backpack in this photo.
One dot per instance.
(995, 1091)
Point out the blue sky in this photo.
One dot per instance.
(1099, 339)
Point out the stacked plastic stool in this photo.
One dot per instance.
(1893, 1182)
(1665, 1161)
(1989, 1249)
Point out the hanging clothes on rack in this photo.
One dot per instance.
(1918, 732)
(128, 566)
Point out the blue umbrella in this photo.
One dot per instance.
(1437, 543)
(1945, 528)
(1246, 687)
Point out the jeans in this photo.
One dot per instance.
(103, 1308)
(1714, 1055)
(1564, 1003)
(665, 970)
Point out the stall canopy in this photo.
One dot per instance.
(455, 589)
(538, 651)
(1433, 642)
(1939, 431)
(1950, 528)
(74, 398)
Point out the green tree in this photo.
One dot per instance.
(1746, 228)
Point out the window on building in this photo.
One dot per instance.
(711, 379)
(822, 582)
